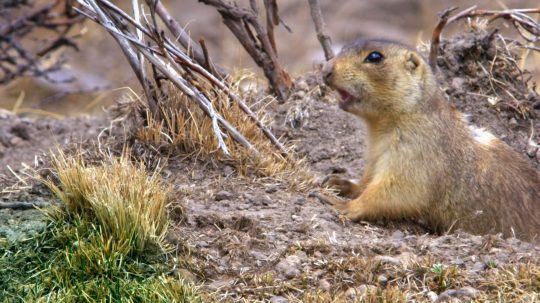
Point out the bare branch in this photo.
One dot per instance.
(436, 36)
(169, 60)
(320, 28)
(15, 29)
(257, 40)
(194, 50)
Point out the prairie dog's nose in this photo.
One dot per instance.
(327, 71)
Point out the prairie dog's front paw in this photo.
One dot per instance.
(346, 187)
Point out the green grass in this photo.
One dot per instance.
(105, 245)
(68, 262)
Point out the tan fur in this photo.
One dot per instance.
(424, 162)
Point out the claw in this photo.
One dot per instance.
(335, 202)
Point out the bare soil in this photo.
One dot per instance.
(256, 239)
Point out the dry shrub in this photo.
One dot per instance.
(127, 205)
(186, 129)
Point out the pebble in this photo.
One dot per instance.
(289, 266)
(363, 289)
(465, 292)
(350, 294)
(302, 85)
(387, 260)
(4, 114)
(382, 280)
(228, 170)
(432, 296)
(223, 195)
(397, 235)
(324, 285)
(478, 266)
(271, 189)
(279, 299)
(457, 83)
(513, 121)
(300, 201)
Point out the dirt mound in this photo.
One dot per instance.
(254, 239)
(479, 72)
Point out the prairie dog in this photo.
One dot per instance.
(424, 161)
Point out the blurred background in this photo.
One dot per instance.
(101, 73)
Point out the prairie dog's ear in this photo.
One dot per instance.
(413, 61)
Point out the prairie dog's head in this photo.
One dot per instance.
(378, 77)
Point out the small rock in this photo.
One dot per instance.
(228, 170)
(15, 141)
(299, 95)
(465, 292)
(324, 285)
(351, 294)
(302, 85)
(478, 266)
(266, 201)
(387, 260)
(397, 235)
(198, 175)
(301, 255)
(223, 195)
(512, 121)
(271, 189)
(362, 289)
(302, 200)
(218, 284)
(279, 299)
(458, 262)
(242, 206)
(382, 280)
(457, 83)
(532, 149)
(289, 266)
(4, 114)
(432, 296)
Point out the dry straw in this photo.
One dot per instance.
(126, 204)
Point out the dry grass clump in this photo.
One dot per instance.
(105, 245)
(119, 196)
(516, 283)
(185, 128)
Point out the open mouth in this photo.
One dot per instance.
(346, 99)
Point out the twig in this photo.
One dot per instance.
(193, 49)
(187, 62)
(436, 36)
(128, 51)
(208, 64)
(15, 59)
(320, 28)
(245, 24)
(171, 69)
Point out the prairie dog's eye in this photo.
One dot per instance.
(374, 57)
